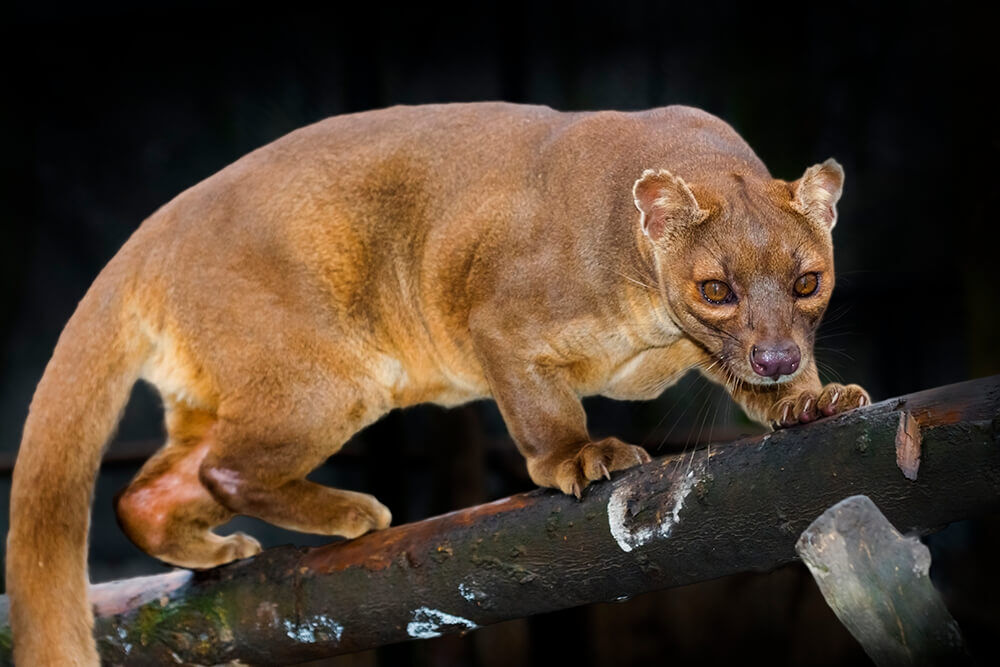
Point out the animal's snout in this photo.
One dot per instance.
(775, 359)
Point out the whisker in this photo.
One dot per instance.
(673, 406)
(631, 279)
(703, 412)
(834, 350)
(829, 370)
(694, 399)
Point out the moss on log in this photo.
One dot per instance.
(729, 508)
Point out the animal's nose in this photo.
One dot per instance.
(775, 359)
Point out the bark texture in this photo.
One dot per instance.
(719, 510)
(878, 584)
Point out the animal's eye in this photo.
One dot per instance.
(807, 284)
(717, 292)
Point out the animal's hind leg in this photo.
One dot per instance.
(299, 504)
(282, 497)
(168, 513)
(258, 467)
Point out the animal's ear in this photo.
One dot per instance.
(665, 202)
(816, 194)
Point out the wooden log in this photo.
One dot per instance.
(680, 519)
(878, 584)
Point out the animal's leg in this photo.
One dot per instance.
(546, 419)
(166, 510)
(258, 468)
(297, 504)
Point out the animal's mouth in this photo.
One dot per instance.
(749, 375)
(767, 381)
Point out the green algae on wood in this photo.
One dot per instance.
(729, 508)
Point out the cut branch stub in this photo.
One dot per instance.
(877, 583)
(674, 521)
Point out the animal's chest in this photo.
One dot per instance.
(647, 373)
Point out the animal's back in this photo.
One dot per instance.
(341, 235)
(364, 229)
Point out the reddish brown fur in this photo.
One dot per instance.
(383, 259)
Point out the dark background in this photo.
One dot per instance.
(108, 111)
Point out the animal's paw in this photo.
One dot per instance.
(360, 514)
(593, 461)
(808, 406)
(237, 546)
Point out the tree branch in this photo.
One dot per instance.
(878, 584)
(677, 520)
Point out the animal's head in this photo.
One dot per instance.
(747, 266)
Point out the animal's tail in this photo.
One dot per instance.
(75, 409)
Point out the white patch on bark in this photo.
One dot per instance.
(470, 594)
(429, 622)
(316, 628)
(629, 536)
(123, 635)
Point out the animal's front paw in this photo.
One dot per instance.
(808, 406)
(592, 462)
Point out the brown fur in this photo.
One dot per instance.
(414, 254)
